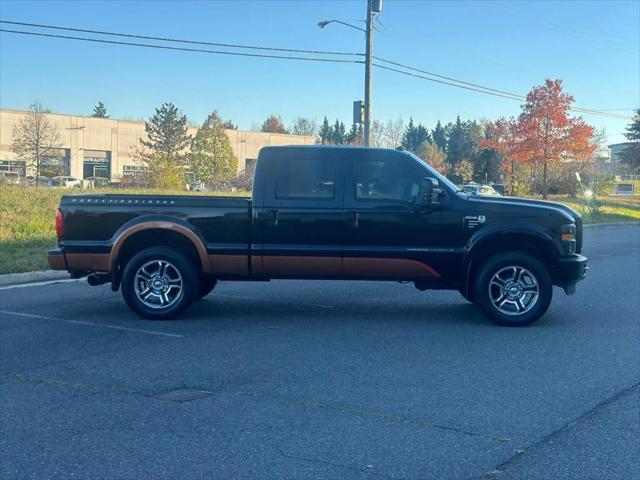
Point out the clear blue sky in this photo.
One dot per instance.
(593, 46)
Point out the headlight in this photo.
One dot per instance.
(568, 232)
(568, 235)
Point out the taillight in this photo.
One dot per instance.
(59, 225)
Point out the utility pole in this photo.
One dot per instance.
(367, 72)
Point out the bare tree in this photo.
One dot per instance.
(376, 134)
(393, 132)
(304, 126)
(35, 137)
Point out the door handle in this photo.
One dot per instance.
(354, 221)
(270, 216)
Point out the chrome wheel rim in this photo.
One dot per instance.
(514, 290)
(158, 284)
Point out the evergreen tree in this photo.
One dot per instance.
(212, 158)
(455, 143)
(352, 137)
(100, 111)
(164, 148)
(339, 133)
(229, 125)
(439, 135)
(631, 154)
(325, 132)
(414, 136)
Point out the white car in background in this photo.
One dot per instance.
(66, 182)
(12, 178)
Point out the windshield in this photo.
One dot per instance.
(441, 178)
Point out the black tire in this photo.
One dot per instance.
(180, 268)
(205, 286)
(486, 296)
(467, 297)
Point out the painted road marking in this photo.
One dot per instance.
(91, 324)
(38, 284)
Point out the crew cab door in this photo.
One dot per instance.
(388, 233)
(298, 226)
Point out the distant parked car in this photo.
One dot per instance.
(42, 181)
(12, 178)
(485, 190)
(501, 188)
(66, 182)
(96, 182)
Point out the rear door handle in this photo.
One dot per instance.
(270, 216)
(353, 219)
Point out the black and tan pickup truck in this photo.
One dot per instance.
(320, 212)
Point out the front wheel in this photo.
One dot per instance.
(159, 283)
(513, 289)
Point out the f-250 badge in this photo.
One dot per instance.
(473, 221)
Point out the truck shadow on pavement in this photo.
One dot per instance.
(260, 312)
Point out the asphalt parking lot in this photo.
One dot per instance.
(327, 380)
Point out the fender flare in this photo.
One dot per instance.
(162, 223)
(483, 236)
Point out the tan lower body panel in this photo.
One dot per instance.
(56, 262)
(229, 264)
(387, 268)
(84, 262)
(301, 266)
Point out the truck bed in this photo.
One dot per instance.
(99, 218)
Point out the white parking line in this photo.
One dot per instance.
(91, 324)
(283, 302)
(38, 284)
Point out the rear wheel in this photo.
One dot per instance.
(159, 283)
(205, 286)
(513, 289)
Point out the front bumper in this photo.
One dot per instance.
(56, 259)
(569, 271)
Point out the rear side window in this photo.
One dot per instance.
(310, 177)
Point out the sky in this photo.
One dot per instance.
(594, 47)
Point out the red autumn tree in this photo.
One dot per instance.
(503, 136)
(547, 133)
(543, 133)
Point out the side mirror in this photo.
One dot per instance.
(431, 193)
(426, 192)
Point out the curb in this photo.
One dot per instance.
(32, 277)
(610, 224)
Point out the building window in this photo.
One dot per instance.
(97, 163)
(18, 166)
(56, 163)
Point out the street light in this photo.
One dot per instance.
(372, 6)
(324, 23)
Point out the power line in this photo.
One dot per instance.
(518, 97)
(482, 89)
(178, 40)
(182, 49)
(442, 79)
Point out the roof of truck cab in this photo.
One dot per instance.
(326, 147)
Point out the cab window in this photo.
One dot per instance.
(310, 177)
(387, 178)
